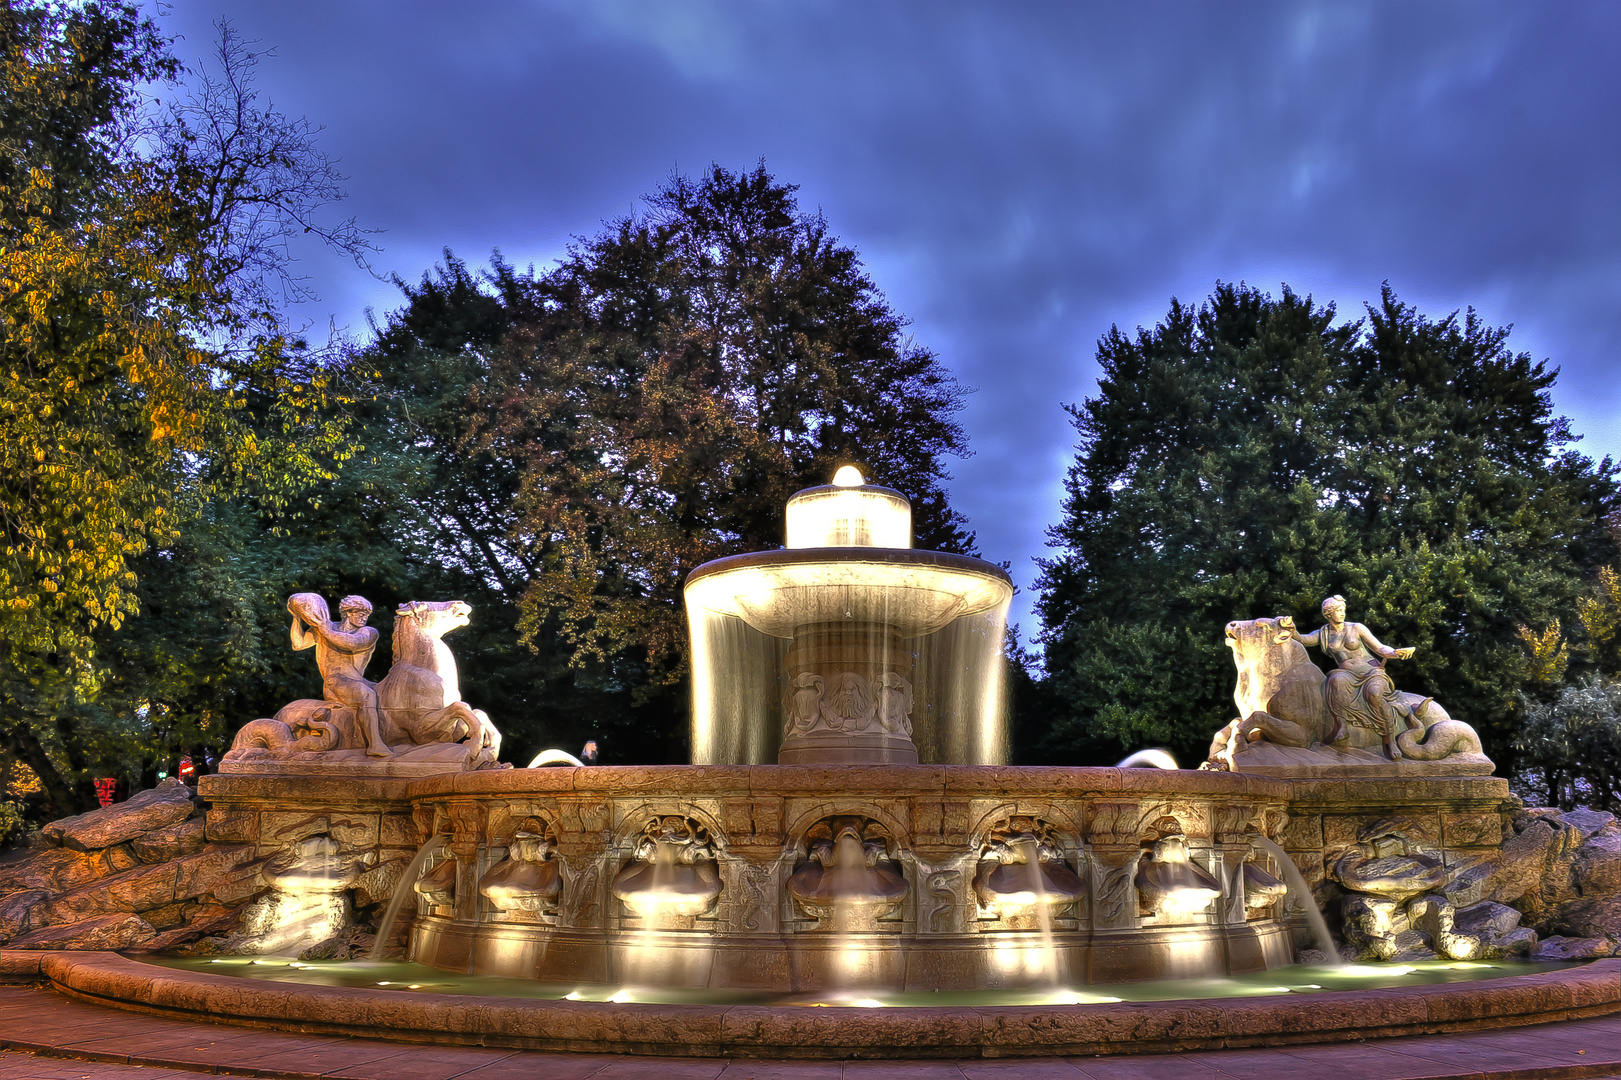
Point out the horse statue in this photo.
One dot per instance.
(1282, 698)
(419, 710)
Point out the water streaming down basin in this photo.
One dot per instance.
(848, 645)
(849, 820)
(1304, 900)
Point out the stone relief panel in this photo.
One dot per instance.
(1023, 880)
(850, 877)
(527, 884)
(1171, 886)
(847, 703)
(672, 877)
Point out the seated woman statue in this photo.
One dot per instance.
(1358, 691)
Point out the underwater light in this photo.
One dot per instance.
(573, 995)
(848, 476)
(620, 997)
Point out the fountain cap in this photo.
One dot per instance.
(848, 513)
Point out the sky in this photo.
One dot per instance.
(1016, 177)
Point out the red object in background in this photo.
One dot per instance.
(187, 768)
(106, 788)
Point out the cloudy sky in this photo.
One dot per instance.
(1017, 177)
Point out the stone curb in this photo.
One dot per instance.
(752, 1031)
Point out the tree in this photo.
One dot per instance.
(590, 433)
(1252, 457)
(1570, 747)
(691, 368)
(136, 355)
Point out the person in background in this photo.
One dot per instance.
(588, 753)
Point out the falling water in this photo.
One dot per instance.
(1302, 894)
(1044, 915)
(402, 891)
(849, 860)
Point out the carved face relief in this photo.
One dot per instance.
(672, 878)
(1023, 880)
(528, 882)
(849, 879)
(848, 705)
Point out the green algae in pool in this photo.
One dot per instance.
(421, 979)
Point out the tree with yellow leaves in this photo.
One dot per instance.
(133, 338)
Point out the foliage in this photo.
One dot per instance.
(12, 822)
(586, 435)
(1600, 615)
(1571, 746)
(144, 377)
(1251, 457)
(1549, 655)
(676, 378)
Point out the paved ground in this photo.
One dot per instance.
(46, 1036)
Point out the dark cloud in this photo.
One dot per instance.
(1017, 177)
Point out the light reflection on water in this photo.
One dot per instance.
(419, 978)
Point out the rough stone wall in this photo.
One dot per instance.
(1556, 873)
(371, 818)
(141, 874)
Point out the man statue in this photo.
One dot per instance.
(342, 651)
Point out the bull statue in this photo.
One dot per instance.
(1353, 715)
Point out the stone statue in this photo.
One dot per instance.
(1294, 720)
(413, 722)
(342, 651)
(1358, 690)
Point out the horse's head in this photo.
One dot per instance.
(434, 617)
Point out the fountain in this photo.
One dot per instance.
(849, 819)
(850, 833)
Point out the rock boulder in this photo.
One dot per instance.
(167, 804)
(171, 841)
(101, 933)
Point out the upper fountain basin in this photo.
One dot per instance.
(915, 592)
(848, 513)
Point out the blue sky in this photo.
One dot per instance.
(1017, 177)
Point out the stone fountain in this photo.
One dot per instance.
(849, 819)
(849, 823)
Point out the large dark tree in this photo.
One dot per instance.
(590, 433)
(1251, 457)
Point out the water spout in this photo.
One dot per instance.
(1302, 894)
(401, 891)
(555, 756)
(1149, 759)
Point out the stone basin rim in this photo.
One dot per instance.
(852, 556)
(698, 780)
(755, 1031)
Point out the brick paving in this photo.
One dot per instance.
(44, 1036)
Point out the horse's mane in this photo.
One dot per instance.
(408, 637)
